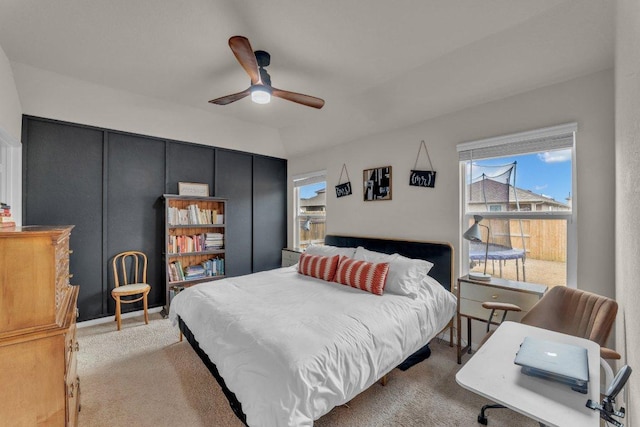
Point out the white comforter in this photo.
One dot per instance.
(292, 347)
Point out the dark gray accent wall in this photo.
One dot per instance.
(234, 182)
(269, 177)
(189, 163)
(134, 211)
(109, 185)
(62, 184)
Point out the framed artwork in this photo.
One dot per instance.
(377, 183)
(193, 189)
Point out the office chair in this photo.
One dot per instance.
(568, 311)
(131, 267)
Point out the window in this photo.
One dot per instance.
(522, 186)
(310, 209)
(10, 170)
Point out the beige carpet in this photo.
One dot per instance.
(142, 376)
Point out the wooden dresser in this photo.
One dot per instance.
(39, 385)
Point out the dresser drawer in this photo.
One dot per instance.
(480, 294)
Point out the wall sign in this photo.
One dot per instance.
(343, 189)
(193, 189)
(422, 178)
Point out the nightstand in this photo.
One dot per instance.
(290, 256)
(472, 293)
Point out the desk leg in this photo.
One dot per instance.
(459, 338)
(467, 348)
(469, 335)
(451, 334)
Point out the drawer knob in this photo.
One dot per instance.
(494, 296)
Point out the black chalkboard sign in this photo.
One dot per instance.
(422, 178)
(343, 189)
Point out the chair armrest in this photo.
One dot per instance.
(501, 306)
(607, 353)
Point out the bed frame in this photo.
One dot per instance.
(440, 254)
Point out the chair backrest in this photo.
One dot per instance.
(129, 267)
(574, 312)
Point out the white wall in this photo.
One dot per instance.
(10, 109)
(54, 96)
(10, 133)
(627, 105)
(434, 214)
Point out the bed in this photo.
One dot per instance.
(288, 347)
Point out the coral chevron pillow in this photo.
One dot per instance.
(363, 275)
(318, 266)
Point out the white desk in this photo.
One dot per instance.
(491, 373)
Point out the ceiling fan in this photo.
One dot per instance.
(261, 91)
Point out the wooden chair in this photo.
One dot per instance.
(130, 278)
(568, 311)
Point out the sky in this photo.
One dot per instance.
(546, 173)
(308, 191)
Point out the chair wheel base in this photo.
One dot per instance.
(482, 420)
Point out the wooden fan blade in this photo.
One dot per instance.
(241, 48)
(309, 101)
(231, 98)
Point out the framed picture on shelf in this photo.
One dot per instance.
(193, 189)
(377, 183)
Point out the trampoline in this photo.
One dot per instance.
(501, 254)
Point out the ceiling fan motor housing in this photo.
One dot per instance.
(263, 58)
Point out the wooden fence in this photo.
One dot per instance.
(315, 234)
(544, 239)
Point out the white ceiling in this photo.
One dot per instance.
(379, 65)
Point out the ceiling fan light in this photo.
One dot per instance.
(261, 94)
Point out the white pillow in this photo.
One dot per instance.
(373, 256)
(405, 275)
(326, 250)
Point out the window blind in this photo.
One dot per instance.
(309, 178)
(546, 139)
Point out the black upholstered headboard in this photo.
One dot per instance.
(440, 254)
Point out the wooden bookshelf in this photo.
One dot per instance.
(195, 239)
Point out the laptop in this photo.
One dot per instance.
(565, 363)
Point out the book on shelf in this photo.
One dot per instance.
(195, 243)
(7, 218)
(194, 272)
(179, 270)
(213, 267)
(172, 272)
(192, 215)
